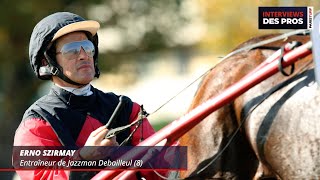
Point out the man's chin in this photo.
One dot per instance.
(85, 79)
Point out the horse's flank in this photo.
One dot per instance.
(280, 136)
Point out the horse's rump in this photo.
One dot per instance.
(280, 129)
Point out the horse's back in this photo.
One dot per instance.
(283, 122)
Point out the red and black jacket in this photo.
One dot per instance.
(64, 119)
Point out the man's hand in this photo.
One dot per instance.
(96, 138)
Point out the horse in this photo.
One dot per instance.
(277, 120)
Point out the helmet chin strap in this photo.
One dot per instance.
(57, 70)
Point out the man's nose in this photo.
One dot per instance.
(83, 54)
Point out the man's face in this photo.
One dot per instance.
(80, 68)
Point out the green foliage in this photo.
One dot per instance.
(146, 26)
(141, 25)
(17, 80)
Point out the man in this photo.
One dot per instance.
(64, 49)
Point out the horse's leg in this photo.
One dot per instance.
(263, 172)
(243, 107)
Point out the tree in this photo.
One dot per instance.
(146, 26)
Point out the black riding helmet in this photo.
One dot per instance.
(47, 31)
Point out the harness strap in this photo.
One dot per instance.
(293, 45)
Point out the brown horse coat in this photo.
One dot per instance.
(281, 130)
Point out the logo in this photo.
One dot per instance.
(315, 37)
(285, 17)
